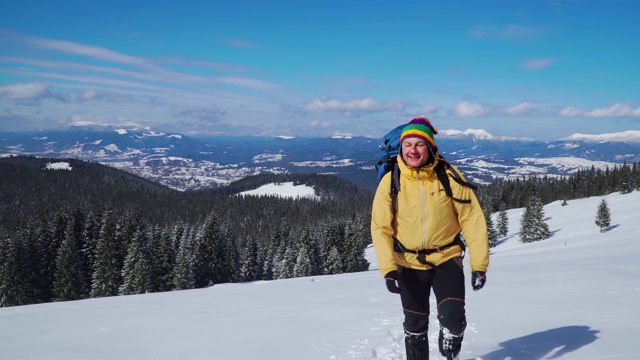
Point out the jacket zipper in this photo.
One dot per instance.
(424, 212)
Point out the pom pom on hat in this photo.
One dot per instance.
(420, 128)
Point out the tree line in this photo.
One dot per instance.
(73, 255)
(587, 182)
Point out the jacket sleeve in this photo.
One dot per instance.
(473, 224)
(381, 226)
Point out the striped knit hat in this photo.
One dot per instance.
(420, 128)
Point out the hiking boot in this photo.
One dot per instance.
(417, 345)
(449, 344)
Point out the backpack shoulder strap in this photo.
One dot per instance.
(395, 187)
(443, 172)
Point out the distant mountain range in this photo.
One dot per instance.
(190, 163)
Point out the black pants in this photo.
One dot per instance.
(447, 282)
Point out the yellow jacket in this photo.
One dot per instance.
(426, 218)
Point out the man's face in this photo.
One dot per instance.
(415, 152)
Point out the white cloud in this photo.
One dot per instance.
(468, 109)
(320, 124)
(615, 110)
(571, 111)
(27, 91)
(537, 64)
(358, 105)
(521, 109)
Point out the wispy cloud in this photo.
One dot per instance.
(537, 64)
(618, 110)
(124, 70)
(509, 31)
(353, 106)
(211, 114)
(248, 83)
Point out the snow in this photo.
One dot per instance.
(629, 136)
(572, 296)
(566, 164)
(58, 166)
(476, 134)
(286, 189)
(332, 163)
(262, 158)
(112, 147)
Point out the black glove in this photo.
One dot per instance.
(391, 278)
(478, 278)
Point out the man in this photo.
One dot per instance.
(418, 246)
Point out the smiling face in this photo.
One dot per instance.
(415, 152)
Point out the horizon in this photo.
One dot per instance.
(538, 69)
(478, 134)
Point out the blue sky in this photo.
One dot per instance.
(541, 69)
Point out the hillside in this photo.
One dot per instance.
(33, 186)
(570, 297)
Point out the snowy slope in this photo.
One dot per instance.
(572, 296)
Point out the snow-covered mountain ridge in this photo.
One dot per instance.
(632, 136)
(189, 163)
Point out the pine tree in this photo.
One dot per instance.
(68, 284)
(209, 269)
(43, 240)
(249, 263)
(76, 230)
(532, 225)
(165, 262)
(32, 266)
(333, 264)
(603, 216)
(354, 259)
(12, 290)
(503, 221)
(91, 234)
(105, 279)
(284, 262)
(136, 271)
(183, 278)
(491, 231)
(303, 263)
(55, 235)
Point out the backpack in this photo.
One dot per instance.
(389, 150)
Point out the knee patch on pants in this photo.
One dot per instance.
(415, 323)
(452, 316)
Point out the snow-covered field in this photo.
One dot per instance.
(573, 296)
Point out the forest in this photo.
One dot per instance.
(97, 231)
